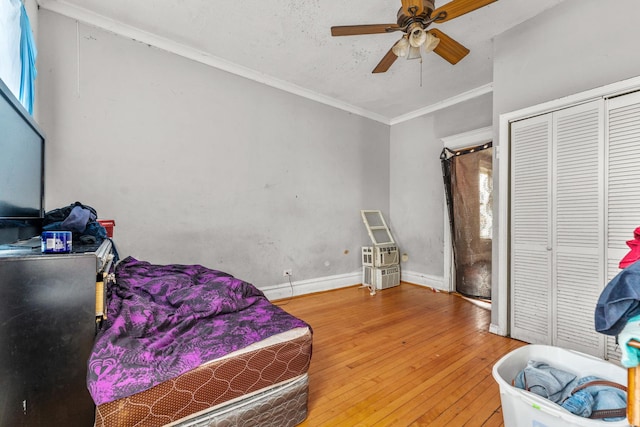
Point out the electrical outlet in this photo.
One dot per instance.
(287, 272)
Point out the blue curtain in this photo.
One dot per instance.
(28, 53)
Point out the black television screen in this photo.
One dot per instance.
(21, 170)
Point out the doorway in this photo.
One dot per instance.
(468, 181)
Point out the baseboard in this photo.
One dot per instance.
(495, 329)
(434, 282)
(320, 284)
(309, 286)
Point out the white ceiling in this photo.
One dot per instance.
(288, 44)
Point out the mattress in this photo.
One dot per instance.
(258, 376)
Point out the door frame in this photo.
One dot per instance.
(455, 142)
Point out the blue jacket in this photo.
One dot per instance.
(619, 301)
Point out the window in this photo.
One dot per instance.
(18, 52)
(485, 187)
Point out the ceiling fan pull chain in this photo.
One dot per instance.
(420, 71)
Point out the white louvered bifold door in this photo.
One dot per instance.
(623, 184)
(531, 303)
(578, 219)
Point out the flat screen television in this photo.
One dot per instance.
(21, 171)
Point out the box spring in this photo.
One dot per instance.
(239, 386)
(284, 405)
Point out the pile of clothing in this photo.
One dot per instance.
(78, 218)
(588, 396)
(618, 309)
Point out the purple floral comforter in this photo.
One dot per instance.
(164, 320)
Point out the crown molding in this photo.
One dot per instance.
(465, 96)
(99, 21)
(91, 18)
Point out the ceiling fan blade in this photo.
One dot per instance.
(412, 7)
(457, 8)
(448, 48)
(385, 62)
(355, 30)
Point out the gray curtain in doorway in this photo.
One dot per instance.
(468, 180)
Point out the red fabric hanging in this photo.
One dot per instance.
(634, 253)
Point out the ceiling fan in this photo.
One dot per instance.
(414, 17)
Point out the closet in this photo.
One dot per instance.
(575, 200)
(557, 245)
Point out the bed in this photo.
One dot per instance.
(190, 346)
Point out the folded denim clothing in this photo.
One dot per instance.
(546, 381)
(595, 398)
(564, 388)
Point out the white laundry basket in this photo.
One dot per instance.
(521, 408)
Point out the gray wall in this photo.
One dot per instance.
(574, 47)
(568, 49)
(201, 166)
(197, 165)
(417, 189)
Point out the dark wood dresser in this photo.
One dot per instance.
(49, 311)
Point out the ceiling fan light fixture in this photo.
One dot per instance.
(418, 37)
(413, 20)
(430, 43)
(401, 48)
(414, 53)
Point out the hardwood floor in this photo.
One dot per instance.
(407, 356)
